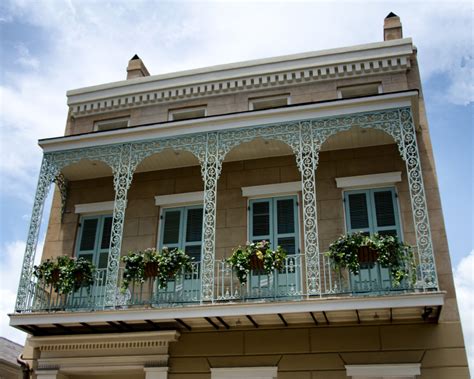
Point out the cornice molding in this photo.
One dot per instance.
(277, 72)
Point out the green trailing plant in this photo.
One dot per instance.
(66, 274)
(150, 264)
(389, 252)
(256, 256)
(134, 270)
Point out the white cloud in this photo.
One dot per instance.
(464, 280)
(10, 273)
(10, 269)
(25, 58)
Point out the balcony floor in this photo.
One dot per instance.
(314, 311)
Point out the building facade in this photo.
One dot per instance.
(296, 150)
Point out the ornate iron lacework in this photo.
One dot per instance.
(305, 138)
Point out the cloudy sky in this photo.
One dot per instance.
(48, 47)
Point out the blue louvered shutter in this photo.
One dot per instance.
(192, 244)
(372, 211)
(105, 235)
(171, 231)
(275, 220)
(182, 229)
(94, 239)
(385, 212)
(358, 215)
(260, 220)
(286, 225)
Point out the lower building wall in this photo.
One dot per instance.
(322, 352)
(310, 352)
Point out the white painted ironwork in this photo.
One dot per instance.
(305, 137)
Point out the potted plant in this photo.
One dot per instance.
(351, 250)
(66, 274)
(133, 270)
(172, 262)
(150, 264)
(256, 256)
(83, 273)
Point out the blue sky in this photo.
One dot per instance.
(48, 47)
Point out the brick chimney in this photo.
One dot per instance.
(136, 68)
(392, 27)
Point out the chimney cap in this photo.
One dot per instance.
(391, 14)
(135, 57)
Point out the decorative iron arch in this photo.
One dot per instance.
(305, 138)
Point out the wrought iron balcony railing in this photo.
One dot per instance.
(280, 285)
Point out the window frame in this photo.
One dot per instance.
(253, 100)
(273, 219)
(362, 88)
(182, 227)
(184, 110)
(99, 123)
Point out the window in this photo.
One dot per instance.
(94, 239)
(181, 228)
(348, 92)
(275, 220)
(372, 211)
(111, 124)
(187, 113)
(267, 102)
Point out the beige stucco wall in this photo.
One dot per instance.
(322, 352)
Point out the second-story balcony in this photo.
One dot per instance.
(299, 184)
(285, 284)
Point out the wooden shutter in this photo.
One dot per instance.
(275, 220)
(260, 220)
(357, 211)
(171, 231)
(192, 244)
(182, 229)
(286, 226)
(94, 239)
(385, 212)
(372, 211)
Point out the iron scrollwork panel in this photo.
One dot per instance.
(398, 123)
(306, 158)
(410, 154)
(211, 166)
(123, 174)
(48, 173)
